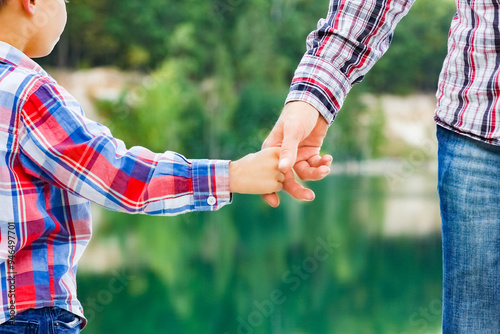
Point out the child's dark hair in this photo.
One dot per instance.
(2, 3)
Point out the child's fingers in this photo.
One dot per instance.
(278, 187)
(272, 199)
(271, 151)
(275, 184)
(281, 177)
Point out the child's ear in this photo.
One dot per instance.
(29, 6)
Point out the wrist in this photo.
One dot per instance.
(233, 178)
(309, 104)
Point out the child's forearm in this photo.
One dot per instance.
(64, 148)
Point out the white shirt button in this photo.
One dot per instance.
(211, 200)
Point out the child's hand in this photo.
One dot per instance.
(256, 173)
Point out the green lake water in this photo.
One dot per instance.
(364, 257)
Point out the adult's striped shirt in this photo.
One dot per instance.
(356, 33)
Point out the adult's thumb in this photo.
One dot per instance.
(288, 153)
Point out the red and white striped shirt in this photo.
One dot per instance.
(356, 33)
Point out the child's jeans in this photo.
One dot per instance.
(469, 192)
(47, 320)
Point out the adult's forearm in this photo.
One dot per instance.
(344, 47)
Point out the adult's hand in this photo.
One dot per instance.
(299, 132)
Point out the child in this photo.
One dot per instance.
(53, 161)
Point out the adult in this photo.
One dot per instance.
(355, 34)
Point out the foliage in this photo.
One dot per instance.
(165, 112)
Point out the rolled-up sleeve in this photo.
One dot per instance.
(343, 48)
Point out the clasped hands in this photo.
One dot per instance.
(292, 146)
(299, 133)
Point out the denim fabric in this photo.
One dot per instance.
(47, 320)
(469, 192)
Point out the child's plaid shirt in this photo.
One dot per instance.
(53, 161)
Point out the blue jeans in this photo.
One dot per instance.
(47, 320)
(469, 193)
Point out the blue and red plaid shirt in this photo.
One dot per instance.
(355, 34)
(53, 161)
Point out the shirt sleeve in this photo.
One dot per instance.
(59, 145)
(345, 46)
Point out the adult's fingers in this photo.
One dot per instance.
(315, 168)
(317, 160)
(295, 189)
(272, 199)
(325, 160)
(307, 173)
(292, 135)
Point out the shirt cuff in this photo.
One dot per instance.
(320, 84)
(210, 184)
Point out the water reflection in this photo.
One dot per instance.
(362, 258)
